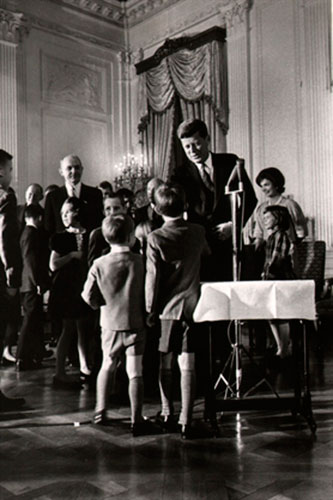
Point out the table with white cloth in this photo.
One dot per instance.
(264, 300)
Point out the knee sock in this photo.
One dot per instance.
(102, 389)
(135, 392)
(165, 384)
(187, 385)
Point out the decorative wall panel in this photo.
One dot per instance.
(67, 83)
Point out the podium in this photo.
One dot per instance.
(263, 300)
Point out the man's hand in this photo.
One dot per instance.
(151, 319)
(223, 231)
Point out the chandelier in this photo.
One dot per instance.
(132, 173)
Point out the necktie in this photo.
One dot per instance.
(73, 191)
(206, 177)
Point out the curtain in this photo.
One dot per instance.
(198, 78)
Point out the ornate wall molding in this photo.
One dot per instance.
(67, 83)
(99, 8)
(58, 29)
(234, 11)
(13, 26)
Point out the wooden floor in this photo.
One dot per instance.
(49, 450)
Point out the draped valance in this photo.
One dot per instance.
(194, 74)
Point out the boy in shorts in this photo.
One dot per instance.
(174, 254)
(115, 283)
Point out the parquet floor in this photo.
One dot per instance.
(50, 451)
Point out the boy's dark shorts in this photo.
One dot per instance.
(177, 336)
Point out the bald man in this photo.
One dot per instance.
(71, 170)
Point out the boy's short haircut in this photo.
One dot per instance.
(170, 200)
(114, 195)
(117, 228)
(190, 127)
(105, 185)
(281, 214)
(4, 157)
(33, 211)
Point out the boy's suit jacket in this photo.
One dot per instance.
(92, 208)
(35, 255)
(115, 283)
(174, 253)
(10, 254)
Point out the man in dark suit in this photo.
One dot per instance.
(71, 170)
(33, 196)
(204, 179)
(10, 256)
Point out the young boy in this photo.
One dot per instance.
(10, 256)
(112, 205)
(35, 281)
(115, 283)
(174, 253)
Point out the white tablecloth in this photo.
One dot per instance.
(289, 299)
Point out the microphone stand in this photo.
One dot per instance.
(235, 195)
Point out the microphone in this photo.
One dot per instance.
(236, 174)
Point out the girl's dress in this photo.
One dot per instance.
(67, 282)
(278, 263)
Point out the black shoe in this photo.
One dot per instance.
(85, 379)
(100, 418)
(58, 383)
(10, 404)
(48, 353)
(143, 428)
(23, 365)
(7, 362)
(166, 423)
(186, 432)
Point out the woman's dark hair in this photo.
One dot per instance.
(274, 175)
(281, 214)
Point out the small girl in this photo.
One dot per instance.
(278, 266)
(68, 262)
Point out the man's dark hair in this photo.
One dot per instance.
(105, 185)
(190, 127)
(169, 200)
(4, 157)
(117, 228)
(33, 211)
(125, 193)
(282, 216)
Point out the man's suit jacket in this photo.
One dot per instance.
(115, 283)
(10, 254)
(92, 208)
(197, 194)
(35, 256)
(98, 246)
(174, 254)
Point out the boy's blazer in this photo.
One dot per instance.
(92, 216)
(115, 283)
(174, 253)
(35, 255)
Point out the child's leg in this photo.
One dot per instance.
(135, 385)
(186, 362)
(82, 324)
(104, 378)
(165, 382)
(64, 342)
(281, 333)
